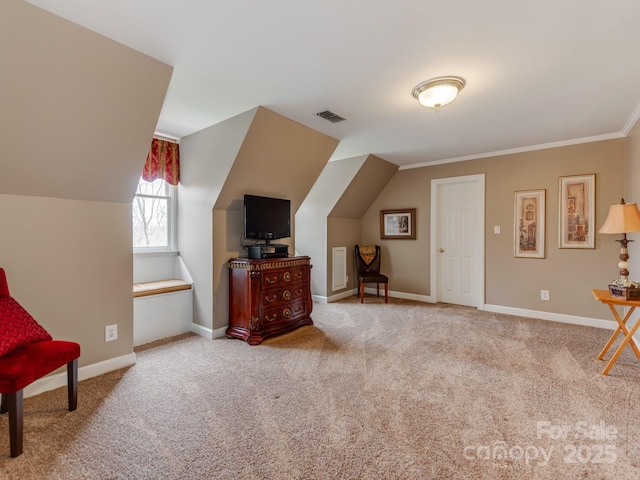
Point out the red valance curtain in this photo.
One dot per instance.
(163, 161)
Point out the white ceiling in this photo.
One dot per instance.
(544, 73)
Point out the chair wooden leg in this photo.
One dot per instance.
(3, 404)
(378, 290)
(362, 292)
(16, 421)
(386, 293)
(72, 384)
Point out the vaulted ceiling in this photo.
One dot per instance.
(538, 74)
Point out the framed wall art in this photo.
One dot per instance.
(398, 224)
(577, 211)
(529, 223)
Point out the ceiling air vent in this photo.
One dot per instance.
(332, 117)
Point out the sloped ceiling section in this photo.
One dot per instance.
(108, 95)
(278, 158)
(207, 156)
(329, 187)
(365, 187)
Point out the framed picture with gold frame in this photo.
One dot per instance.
(577, 211)
(529, 223)
(398, 224)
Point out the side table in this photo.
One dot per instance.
(604, 297)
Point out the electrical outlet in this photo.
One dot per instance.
(544, 294)
(111, 333)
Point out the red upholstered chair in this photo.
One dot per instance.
(28, 353)
(368, 267)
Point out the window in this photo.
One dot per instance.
(153, 216)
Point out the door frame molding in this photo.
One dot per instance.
(436, 183)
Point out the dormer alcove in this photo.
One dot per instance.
(258, 152)
(330, 216)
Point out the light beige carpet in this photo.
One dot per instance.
(398, 391)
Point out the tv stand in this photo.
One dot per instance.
(268, 297)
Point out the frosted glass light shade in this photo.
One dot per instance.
(438, 92)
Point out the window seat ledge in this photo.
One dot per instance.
(158, 287)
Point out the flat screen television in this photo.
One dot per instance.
(266, 218)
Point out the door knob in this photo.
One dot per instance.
(442, 250)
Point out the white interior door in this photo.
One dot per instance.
(458, 240)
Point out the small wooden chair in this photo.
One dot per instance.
(368, 267)
(27, 353)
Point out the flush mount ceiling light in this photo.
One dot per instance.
(439, 91)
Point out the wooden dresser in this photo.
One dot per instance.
(268, 297)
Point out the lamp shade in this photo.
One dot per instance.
(622, 218)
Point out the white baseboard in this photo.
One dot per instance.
(373, 291)
(219, 333)
(333, 298)
(58, 380)
(556, 317)
(518, 312)
(205, 332)
(406, 296)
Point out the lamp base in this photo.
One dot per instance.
(623, 264)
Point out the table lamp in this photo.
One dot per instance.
(623, 218)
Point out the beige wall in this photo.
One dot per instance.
(78, 114)
(406, 262)
(69, 263)
(632, 194)
(78, 110)
(569, 274)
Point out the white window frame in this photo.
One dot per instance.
(172, 209)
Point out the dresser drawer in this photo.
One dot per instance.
(289, 276)
(273, 297)
(285, 313)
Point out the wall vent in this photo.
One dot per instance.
(339, 268)
(332, 117)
